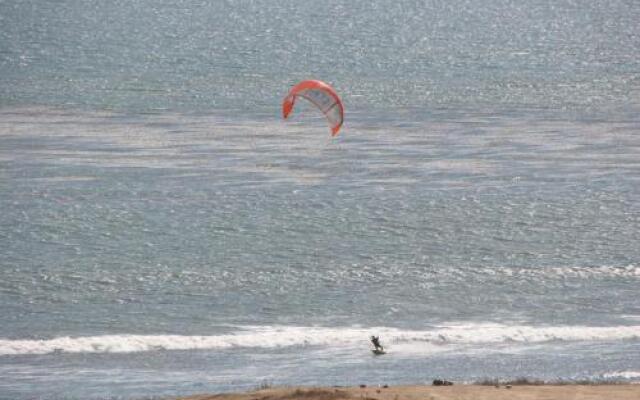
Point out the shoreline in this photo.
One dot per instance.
(476, 391)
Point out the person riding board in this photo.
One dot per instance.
(376, 343)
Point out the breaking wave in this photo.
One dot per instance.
(286, 336)
(626, 375)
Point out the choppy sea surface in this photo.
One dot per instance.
(163, 232)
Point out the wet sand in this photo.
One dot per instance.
(456, 392)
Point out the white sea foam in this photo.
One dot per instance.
(604, 271)
(631, 375)
(281, 336)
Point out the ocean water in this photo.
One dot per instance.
(163, 232)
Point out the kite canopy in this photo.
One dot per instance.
(322, 96)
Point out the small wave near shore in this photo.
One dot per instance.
(286, 336)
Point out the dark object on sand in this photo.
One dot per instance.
(386, 386)
(363, 386)
(441, 382)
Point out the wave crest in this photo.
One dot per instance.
(286, 336)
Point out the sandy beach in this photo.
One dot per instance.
(457, 392)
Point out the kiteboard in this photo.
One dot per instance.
(378, 352)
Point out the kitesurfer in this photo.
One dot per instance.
(376, 343)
